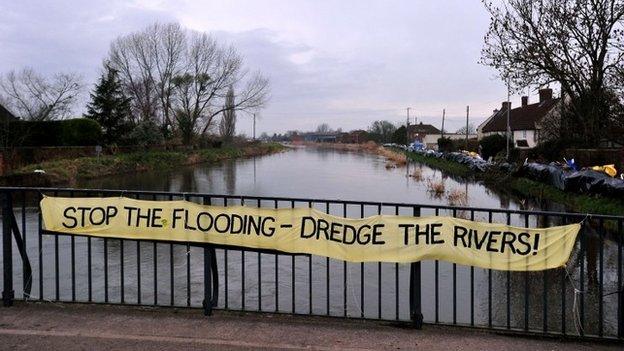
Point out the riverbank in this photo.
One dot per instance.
(394, 158)
(526, 187)
(68, 171)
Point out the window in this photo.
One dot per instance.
(524, 134)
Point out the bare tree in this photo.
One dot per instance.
(182, 77)
(323, 128)
(574, 43)
(34, 97)
(147, 61)
(471, 129)
(227, 127)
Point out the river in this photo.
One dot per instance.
(326, 174)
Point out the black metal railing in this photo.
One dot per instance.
(584, 299)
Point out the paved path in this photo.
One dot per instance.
(48, 327)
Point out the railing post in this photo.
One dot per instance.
(207, 303)
(415, 289)
(415, 296)
(7, 250)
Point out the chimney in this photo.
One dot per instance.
(545, 94)
(525, 101)
(506, 105)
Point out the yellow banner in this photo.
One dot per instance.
(381, 238)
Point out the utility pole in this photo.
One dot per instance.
(443, 115)
(507, 131)
(407, 128)
(254, 127)
(467, 118)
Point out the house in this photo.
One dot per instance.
(429, 135)
(6, 115)
(525, 122)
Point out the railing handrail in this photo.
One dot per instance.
(121, 192)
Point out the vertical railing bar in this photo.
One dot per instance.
(258, 204)
(106, 270)
(508, 287)
(489, 284)
(138, 263)
(242, 269)
(310, 274)
(582, 282)
(188, 271)
(454, 283)
(437, 282)
(344, 272)
(327, 277)
(171, 270)
(600, 276)
(225, 270)
(472, 287)
(292, 274)
(207, 303)
(563, 294)
(545, 294)
(155, 254)
(379, 277)
(396, 279)
(121, 270)
(276, 205)
(526, 285)
(620, 299)
(361, 274)
(56, 263)
(73, 260)
(56, 266)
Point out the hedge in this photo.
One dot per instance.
(69, 132)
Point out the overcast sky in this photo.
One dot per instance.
(346, 63)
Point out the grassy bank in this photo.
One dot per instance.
(527, 188)
(68, 171)
(395, 158)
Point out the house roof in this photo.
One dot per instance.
(423, 129)
(520, 118)
(6, 114)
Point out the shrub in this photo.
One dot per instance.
(492, 145)
(446, 145)
(146, 133)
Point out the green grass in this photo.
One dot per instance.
(69, 170)
(528, 188)
(442, 164)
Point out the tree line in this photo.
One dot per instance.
(161, 83)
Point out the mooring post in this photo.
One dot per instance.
(207, 303)
(7, 250)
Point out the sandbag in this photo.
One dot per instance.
(585, 181)
(549, 174)
(612, 187)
